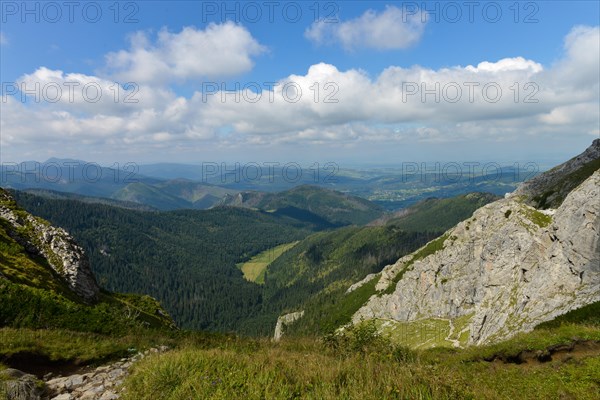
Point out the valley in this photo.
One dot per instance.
(324, 200)
(187, 258)
(370, 290)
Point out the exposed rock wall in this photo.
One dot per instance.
(366, 280)
(507, 268)
(284, 320)
(65, 257)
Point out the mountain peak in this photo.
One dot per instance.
(549, 189)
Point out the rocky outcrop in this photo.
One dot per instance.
(355, 286)
(549, 189)
(17, 385)
(504, 270)
(59, 249)
(102, 383)
(284, 320)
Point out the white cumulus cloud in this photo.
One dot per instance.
(394, 28)
(343, 108)
(219, 50)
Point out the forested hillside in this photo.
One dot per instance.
(314, 275)
(440, 214)
(186, 259)
(45, 282)
(336, 207)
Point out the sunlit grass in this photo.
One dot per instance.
(255, 268)
(365, 365)
(57, 344)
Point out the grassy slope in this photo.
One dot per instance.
(360, 366)
(27, 307)
(363, 365)
(254, 269)
(441, 214)
(553, 196)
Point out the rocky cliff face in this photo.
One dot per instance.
(549, 189)
(285, 320)
(504, 270)
(59, 249)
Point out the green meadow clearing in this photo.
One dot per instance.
(255, 268)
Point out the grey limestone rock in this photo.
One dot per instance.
(65, 257)
(507, 268)
(284, 320)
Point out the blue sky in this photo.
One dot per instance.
(368, 52)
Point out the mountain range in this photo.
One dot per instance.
(491, 279)
(173, 186)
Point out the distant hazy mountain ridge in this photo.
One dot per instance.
(334, 206)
